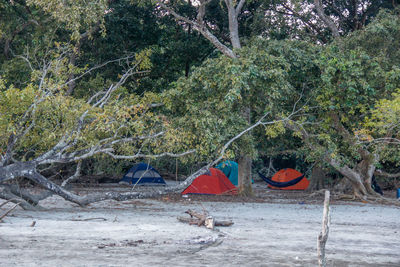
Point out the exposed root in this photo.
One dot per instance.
(383, 200)
(372, 199)
(317, 193)
(349, 197)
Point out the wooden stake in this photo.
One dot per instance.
(323, 235)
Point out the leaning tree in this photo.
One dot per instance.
(41, 126)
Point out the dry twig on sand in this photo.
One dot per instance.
(90, 219)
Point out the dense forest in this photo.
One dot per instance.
(88, 87)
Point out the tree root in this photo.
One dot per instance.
(349, 197)
(317, 193)
(372, 199)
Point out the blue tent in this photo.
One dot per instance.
(230, 169)
(143, 174)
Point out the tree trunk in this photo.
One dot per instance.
(318, 176)
(233, 24)
(244, 165)
(244, 172)
(359, 177)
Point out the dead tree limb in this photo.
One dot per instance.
(326, 19)
(9, 196)
(323, 235)
(5, 202)
(7, 212)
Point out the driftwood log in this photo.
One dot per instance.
(201, 219)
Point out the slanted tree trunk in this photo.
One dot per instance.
(360, 177)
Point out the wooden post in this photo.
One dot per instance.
(323, 236)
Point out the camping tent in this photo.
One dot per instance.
(230, 169)
(214, 182)
(287, 176)
(143, 174)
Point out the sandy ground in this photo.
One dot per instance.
(147, 233)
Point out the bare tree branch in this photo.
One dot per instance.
(139, 155)
(75, 176)
(7, 212)
(239, 7)
(328, 21)
(386, 174)
(201, 28)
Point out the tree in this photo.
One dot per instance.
(200, 24)
(41, 126)
(270, 77)
(356, 74)
(319, 20)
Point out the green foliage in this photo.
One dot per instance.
(75, 15)
(356, 78)
(268, 77)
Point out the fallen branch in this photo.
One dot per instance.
(5, 202)
(90, 219)
(5, 193)
(7, 212)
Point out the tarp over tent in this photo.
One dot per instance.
(296, 180)
(230, 169)
(214, 182)
(143, 174)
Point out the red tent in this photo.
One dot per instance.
(286, 175)
(214, 182)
